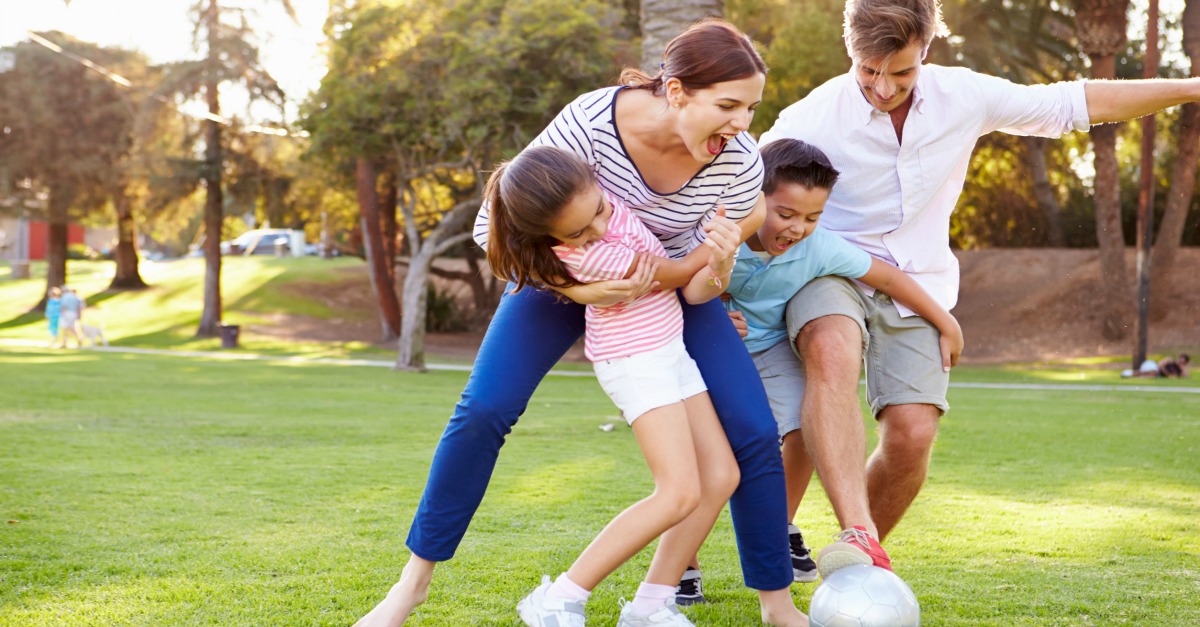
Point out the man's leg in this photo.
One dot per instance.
(831, 348)
(897, 468)
(906, 387)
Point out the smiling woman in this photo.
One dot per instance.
(673, 148)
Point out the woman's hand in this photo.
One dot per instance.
(608, 293)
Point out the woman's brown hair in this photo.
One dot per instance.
(710, 51)
(524, 195)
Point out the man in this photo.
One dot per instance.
(901, 133)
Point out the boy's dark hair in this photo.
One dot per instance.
(793, 161)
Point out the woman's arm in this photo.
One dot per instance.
(904, 290)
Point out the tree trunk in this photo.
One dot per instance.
(411, 356)
(1043, 192)
(127, 276)
(662, 20)
(56, 239)
(1183, 179)
(485, 291)
(388, 225)
(382, 283)
(210, 318)
(421, 253)
(1108, 233)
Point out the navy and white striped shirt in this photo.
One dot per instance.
(587, 128)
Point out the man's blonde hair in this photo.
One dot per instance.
(881, 28)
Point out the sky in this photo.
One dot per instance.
(162, 30)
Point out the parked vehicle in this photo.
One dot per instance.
(288, 242)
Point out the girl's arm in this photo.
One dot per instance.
(904, 290)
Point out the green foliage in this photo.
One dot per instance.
(156, 490)
(442, 312)
(801, 43)
(68, 128)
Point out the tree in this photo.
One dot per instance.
(662, 20)
(1100, 25)
(437, 92)
(70, 132)
(229, 58)
(1183, 177)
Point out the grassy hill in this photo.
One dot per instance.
(256, 291)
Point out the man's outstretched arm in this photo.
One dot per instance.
(1115, 101)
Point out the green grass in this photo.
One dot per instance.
(154, 490)
(168, 314)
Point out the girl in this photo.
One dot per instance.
(53, 313)
(672, 147)
(550, 220)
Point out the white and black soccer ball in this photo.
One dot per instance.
(864, 596)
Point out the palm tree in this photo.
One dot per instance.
(229, 57)
(662, 20)
(1100, 25)
(1183, 177)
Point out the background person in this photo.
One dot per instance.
(672, 147)
(901, 134)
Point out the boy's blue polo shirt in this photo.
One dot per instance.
(761, 290)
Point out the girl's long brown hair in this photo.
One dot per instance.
(710, 51)
(524, 195)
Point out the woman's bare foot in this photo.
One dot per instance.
(404, 597)
(778, 609)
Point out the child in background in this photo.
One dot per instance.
(787, 252)
(552, 224)
(53, 312)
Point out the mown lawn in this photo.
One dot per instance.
(159, 490)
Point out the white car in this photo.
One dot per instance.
(265, 242)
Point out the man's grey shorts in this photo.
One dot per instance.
(902, 355)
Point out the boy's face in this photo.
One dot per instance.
(792, 213)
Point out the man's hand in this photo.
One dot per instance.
(739, 323)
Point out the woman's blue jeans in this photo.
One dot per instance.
(530, 331)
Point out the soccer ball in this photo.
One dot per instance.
(864, 596)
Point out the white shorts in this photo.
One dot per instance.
(649, 380)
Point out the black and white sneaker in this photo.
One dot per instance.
(690, 589)
(804, 569)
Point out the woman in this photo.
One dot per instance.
(672, 147)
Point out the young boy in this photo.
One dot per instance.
(787, 252)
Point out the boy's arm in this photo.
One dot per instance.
(904, 290)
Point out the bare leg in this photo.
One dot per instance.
(897, 468)
(665, 438)
(798, 470)
(719, 477)
(404, 597)
(778, 609)
(831, 347)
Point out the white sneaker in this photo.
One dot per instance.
(667, 615)
(538, 611)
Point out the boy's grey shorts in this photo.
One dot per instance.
(902, 355)
(783, 377)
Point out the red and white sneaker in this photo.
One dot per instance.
(853, 546)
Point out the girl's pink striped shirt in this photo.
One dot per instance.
(644, 324)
